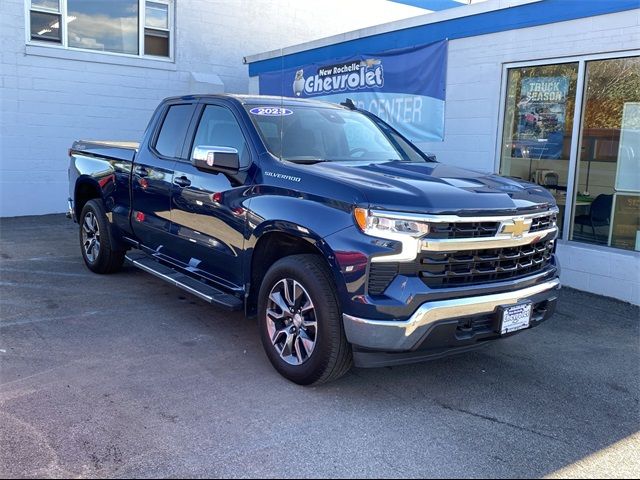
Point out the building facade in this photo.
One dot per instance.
(543, 90)
(96, 69)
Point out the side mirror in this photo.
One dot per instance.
(216, 159)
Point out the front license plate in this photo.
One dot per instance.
(515, 318)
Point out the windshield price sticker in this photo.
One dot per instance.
(271, 111)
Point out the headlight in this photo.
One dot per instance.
(379, 225)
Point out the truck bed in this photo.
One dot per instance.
(105, 148)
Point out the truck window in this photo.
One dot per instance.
(305, 133)
(219, 127)
(173, 130)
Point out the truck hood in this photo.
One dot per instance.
(435, 187)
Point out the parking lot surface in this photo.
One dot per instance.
(125, 376)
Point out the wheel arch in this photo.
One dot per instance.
(279, 240)
(86, 188)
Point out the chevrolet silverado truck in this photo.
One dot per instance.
(348, 243)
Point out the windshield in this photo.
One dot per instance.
(309, 134)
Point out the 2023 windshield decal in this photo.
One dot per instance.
(271, 111)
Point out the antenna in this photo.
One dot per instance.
(349, 104)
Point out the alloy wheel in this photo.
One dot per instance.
(291, 321)
(91, 237)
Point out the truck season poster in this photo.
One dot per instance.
(542, 108)
(405, 87)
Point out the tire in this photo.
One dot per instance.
(95, 240)
(288, 337)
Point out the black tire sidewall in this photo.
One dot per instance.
(327, 314)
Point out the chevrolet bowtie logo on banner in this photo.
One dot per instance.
(517, 228)
(405, 87)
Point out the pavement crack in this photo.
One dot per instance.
(498, 421)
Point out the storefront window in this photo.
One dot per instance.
(536, 142)
(607, 194)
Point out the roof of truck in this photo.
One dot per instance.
(262, 100)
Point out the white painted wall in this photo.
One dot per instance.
(49, 97)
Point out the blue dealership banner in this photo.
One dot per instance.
(405, 87)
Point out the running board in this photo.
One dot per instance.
(185, 282)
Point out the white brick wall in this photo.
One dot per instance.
(50, 97)
(609, 272)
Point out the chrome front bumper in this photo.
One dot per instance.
(405, 335)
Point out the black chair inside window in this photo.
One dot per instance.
(599, 214)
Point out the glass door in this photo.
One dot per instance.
(538, 121)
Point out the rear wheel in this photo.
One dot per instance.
(301, 323)
(95, 241)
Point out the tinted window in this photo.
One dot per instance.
(174, 128)
(219, 127)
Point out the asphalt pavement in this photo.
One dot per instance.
(125, 376)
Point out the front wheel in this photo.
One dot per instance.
(301, 323)
(95, 243)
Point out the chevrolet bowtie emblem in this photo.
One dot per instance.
(517, 227)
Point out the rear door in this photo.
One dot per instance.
(208, 208)
(152, 175)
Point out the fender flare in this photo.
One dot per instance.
(98, 186)
(300, 232)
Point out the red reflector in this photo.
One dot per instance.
(140, 217)
(216, 197)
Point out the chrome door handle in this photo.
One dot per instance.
(141, 171)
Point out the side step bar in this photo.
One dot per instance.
(185, 282)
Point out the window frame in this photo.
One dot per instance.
(189, 143)
(64, 43)
(143, 27)
(63, 30)
(577, 124)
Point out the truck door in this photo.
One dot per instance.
(207, 208)
(153, 173)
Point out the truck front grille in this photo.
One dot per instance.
(464, 230)
(466, 251)
(473, 267)
(467, 230)
(543, 223)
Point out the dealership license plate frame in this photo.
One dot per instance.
(514, 318)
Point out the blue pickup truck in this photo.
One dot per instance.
(349, 244)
